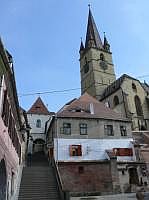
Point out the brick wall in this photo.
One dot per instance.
(86, 176)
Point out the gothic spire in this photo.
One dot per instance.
(92, 36)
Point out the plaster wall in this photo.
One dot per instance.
(32, 119)
(92, 149)
(95, 128)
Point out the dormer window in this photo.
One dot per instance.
(37, 107)
(38, 123)
(78, 109)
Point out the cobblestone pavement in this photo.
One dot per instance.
(131, 196)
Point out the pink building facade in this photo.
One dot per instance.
(10, 129)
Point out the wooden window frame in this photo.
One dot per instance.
(67, 128)
(123, 130)
(83, 128)
(109, 130)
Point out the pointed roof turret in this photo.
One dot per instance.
(92, 36)
(106, 45)
(81, 45)
(38, 108)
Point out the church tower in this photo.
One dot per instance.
(96, 65)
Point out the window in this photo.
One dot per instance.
(102, 57)
(86, 66)
(12, 183)
(134, 87)
(107, 105)
(67, 128)
(123, 151)
(109, 130)
(123, 130)
(75, 150)
(133, 176)
(83, 129)
(38, 123)
(115, 100)
(5, 112)
(138, 106)
(81, 169)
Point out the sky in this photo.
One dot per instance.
(43, 36)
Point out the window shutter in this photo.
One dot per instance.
(79, 150)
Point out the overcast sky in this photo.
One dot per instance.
(43, 37)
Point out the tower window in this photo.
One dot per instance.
(115, 100)
(38, 123)
(86, 66)
(138, 106)
(102, 57)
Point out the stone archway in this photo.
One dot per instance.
(38, 145)
(3, 180)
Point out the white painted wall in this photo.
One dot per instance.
(36, 133)
(32, 119)
(92, 149)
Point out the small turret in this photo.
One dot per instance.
(106, 45)
(81, 46)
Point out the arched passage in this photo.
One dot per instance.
(38, 145)
(3, 180)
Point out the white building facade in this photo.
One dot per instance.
(38, 118)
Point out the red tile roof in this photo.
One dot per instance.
(38, 108)
(82, 107)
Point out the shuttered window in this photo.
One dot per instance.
(75, 150)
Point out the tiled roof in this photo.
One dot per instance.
(115, 85)
(38, 108)
(146, 87)
(88, 107)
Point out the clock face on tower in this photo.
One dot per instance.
(103, 65)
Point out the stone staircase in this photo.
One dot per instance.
(38, 180)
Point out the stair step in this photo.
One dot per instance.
(38, 181)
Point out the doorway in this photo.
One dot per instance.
(3, 180)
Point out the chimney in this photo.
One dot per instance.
(91, 108)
